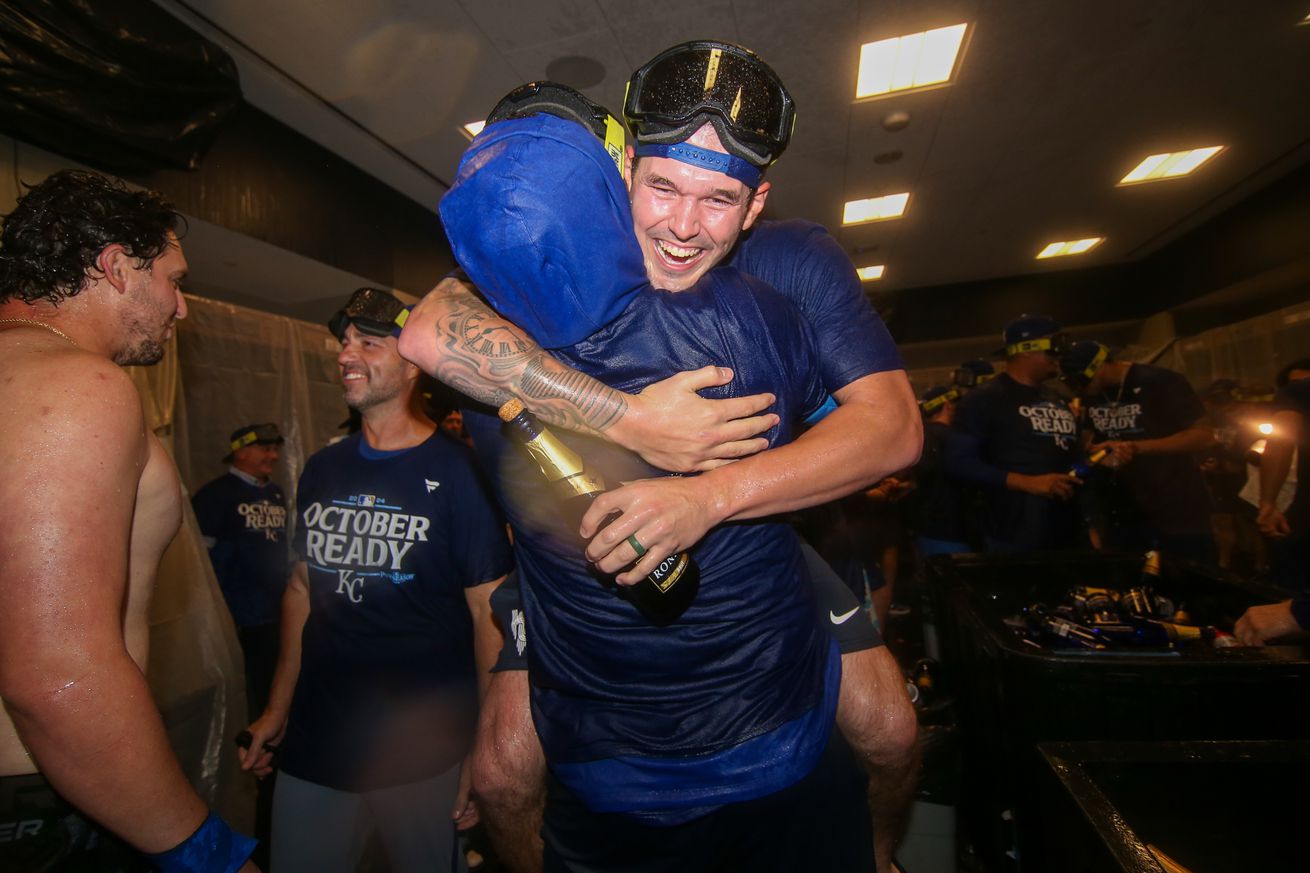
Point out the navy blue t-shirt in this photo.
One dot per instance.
(1004, 427)
(620, 704)
(936, 506)
(386, 693)
(1165, 492)
(250, 554)
(808, 267)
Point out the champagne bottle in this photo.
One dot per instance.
(662, 596)
(1082, 468)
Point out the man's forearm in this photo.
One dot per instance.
(454, 336)
(295, 612)
(1194, 439)
(101, 743)
(1276, 462)
(875, 431)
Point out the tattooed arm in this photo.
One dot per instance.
(454, 336)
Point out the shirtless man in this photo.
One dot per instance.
(89, 282)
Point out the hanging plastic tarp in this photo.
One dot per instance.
(120, 86)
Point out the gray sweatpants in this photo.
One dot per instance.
(322, 830)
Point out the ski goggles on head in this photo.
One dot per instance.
(937, 401)
(1079, 363)
(371, 311)
(681, 88)
(967, 377)
(564, 102)
(1056, 344)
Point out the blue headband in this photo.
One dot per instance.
(718, 162)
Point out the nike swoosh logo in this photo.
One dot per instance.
(841, 619)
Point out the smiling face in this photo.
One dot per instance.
(153, 302)
(257, 459)
(372, 370)
(688, 218)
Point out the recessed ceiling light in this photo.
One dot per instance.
(1170, 165)
(868, 274)
(1070, 247)
(1305, 20)
(875, 209)
(473, 128)
(915, 60)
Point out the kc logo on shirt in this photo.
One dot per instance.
(265, 516)
(354, 537)
(1053, 420)
(1115, 420)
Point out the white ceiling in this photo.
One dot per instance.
(1055, 100)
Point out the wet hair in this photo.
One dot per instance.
(50, 242)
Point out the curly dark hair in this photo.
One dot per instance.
(49, 243)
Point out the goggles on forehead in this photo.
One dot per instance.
(260, 433)
(931, 406)
(553, 98)
(1056, 344)
(681, 88)
(967, 378)
(371, 311)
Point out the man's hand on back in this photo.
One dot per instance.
(673, 428)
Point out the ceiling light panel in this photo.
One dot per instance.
(473, 128)
(1170, 165)
(916, 60)
(875, 209)
(1070, 247)
(870, 274)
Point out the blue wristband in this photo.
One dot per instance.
(213, 848)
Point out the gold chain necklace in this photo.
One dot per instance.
(34, 323)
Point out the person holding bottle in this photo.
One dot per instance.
(1153, 425)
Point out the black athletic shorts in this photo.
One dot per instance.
(820, 823)
(838, 610)
(41, 833)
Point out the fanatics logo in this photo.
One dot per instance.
(431, 486)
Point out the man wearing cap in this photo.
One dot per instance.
(1016, 440)
(971, 374)
(243, 519)
(1153, 425)
(936, 507)
(663, 258)
(386, 624)
(90, 277)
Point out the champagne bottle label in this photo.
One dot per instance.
(562, 466)
(670, 570)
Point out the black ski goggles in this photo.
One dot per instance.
(371, 311)
(670, 96)
(553, 98)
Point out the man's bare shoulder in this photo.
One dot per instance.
(66, 399)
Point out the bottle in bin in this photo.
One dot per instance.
(664, 595)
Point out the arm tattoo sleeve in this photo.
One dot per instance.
(491, 360)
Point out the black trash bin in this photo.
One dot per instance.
(1210, 807)
(1011, 696)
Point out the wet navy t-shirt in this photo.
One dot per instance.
(386, 693)
(808, 267)
(732, 701)
(251, 556)
(1004, 427)
(1167, 492)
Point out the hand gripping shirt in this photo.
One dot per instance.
(251, 556)
(386, 693)
(735, 700)
(1166, 491)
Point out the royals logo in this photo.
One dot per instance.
(1053, 420)
(264, 516)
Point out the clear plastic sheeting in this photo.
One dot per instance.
(226, 367)
(1250, 351)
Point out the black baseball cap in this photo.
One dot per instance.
(252, 434)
